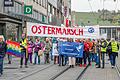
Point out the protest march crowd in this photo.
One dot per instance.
(94, 50)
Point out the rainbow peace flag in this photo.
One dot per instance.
(13, 48)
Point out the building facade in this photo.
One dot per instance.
(59, 11)
(11, 18)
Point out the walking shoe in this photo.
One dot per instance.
(80, 65)
(89, 64)
(72, 66)
(102, 67)
(21, 66)
(113, 67)
(9, 62)
(84, 65)
(97, 66)
(26, 66)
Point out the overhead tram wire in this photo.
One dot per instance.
(116, 5)
(91, 8)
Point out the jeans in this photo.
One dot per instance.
(36, 55)
(23, 56)
(103, 59)
(66, 59)
(61, 60)
(85, 56)
(113, 58)
(47, 58)
(97, 58)
(9, 58)
(1, 65)
(30, 57)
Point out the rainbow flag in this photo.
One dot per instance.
(13, 48)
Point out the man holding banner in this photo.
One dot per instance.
(72, 50)
(72, 58)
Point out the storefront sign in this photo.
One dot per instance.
(8, 3)
(28, 9)
(34, 29)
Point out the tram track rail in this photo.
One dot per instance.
(36, 72)
(118, 70)
(82, 73)
(57, 75)
(67, 69)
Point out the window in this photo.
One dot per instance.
(33, 15)
(33, 0)
(54, 11)
(20, 8)
(39, 17)
(43, 2)
(6, 9)
(39, 2)
(48, 7)
(36, 14)
(45, 5)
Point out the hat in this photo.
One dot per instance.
(2, 37)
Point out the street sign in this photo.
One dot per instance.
(27, 9)
(8, 3)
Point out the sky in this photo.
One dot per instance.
(94, 5)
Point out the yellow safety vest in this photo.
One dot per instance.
(114, 46)
(24, 43)
(103, 49)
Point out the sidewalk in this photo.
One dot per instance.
(107, 73)
(14, 72)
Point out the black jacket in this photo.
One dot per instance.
(3, 48)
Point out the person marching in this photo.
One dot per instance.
(103, 51)
(98, 64)
(36, 49)
(23, 45)
(114, 52)
(47, 51)
(86, 53)
(71, 58)
(2, 53)
(30, 50)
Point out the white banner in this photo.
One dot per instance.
(35, 29)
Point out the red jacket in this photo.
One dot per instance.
(86, 47)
